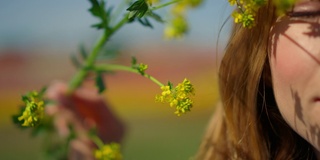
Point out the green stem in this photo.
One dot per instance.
(113, 67)
(165, 4)
(96, 140)
(80, 76)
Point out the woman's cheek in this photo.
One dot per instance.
(286, 61)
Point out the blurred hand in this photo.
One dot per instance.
(84, 109)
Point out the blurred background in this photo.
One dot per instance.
(38, 37)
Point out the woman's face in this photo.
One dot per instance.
(295, 68)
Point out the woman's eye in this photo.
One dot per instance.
(304, 14)
(305, 9)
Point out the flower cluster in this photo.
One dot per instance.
(246, 12)
(178, 26)
(142, 67)
(178, 97)
(34, 109)
(108, 152)
(247, 9)
(150, 2)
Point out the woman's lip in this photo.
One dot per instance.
(316, 99)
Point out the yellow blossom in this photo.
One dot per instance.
(179, 9)
(152, 1)
(246, 11)
(34, 110)
(108, 152)
(165, 90)
(178, 25)
(178, 97)
(142, 67)
(245, 18)
(194, 3)
(232, 2)
(177, 28)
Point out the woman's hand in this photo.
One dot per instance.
(84, 109)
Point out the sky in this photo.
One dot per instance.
(66, 23)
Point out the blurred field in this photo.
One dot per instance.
(154, 132)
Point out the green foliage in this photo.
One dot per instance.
(138, 9)
(133, 61)
(57, 148)
(141, 68)
(155, 16)
(98, 10)
(83, 52)
(99, 82)
(145, 22)
(16, 116)
(75, 61)
(170, 85)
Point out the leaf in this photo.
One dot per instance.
(45, 127)
(138, 9)
(111, 52)
(83, 52)
(133, 61)
(75, 61)
(170, 85)
(99, 82)
(155, 16)
(145, 22)
(98, 10)
(15, 119)
(42, 91)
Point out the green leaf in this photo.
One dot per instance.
(45, 127)
(170, 84)
(98, 10)
(138, 9)
(42, 91)
(83, 52)
(99, 82)
(75, 61)
(15, 119)
(133, 61)
(110, 53)
(155, 16)
(145, 22)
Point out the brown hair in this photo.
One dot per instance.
(248, 124)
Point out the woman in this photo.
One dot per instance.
(269, 89)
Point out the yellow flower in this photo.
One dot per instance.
(165, 90)
(179, 9)
(108, 152)
(232, 2)
(245, 18)
(246, 11)
(177, 28)
(142, 67)
(34, 110)
(150, 2)
(178, 97)
(194, 3)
